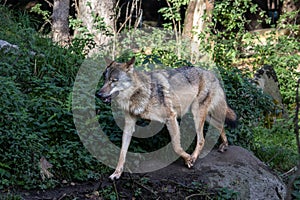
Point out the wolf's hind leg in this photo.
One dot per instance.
(224, 144)
(174, 131)
(199, 114)
(218, 122)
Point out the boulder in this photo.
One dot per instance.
(239, 170)
(9, 47)
(236, 169)
(267, 80)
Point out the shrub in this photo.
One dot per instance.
(35, 107)
(276, 146)
(230, 38)
(249, 102)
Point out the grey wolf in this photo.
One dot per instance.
(164, 96)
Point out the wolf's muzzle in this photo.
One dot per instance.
(106, 98)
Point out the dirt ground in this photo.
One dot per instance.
(172, 182)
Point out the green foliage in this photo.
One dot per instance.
(157, 48)
(84, 39)
(276, 146)
(283, 57)
(10, 197)
(35, 108)
(229, 17)
(296, 187)
(99, 24)
(251, 105)
(172, 13)
(108, 192)
(232, 41)
(44, 13)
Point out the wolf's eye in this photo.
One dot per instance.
(114, 80)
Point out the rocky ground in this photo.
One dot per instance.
(234, 174)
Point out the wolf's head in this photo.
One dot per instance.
(117, 78)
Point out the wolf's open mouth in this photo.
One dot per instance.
(107, 99)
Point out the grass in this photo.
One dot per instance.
(276, 146)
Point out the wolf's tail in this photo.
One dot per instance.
(231, 118)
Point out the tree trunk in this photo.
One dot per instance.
(60, 23)
(194, 23)
(91, 9)
(188, 20)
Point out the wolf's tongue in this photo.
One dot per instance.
(107, 99)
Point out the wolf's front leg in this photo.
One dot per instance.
(174, 131)
(126, 138)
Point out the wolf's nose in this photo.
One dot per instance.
(99, 95)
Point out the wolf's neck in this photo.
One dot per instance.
(140, 93)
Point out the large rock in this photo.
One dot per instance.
(236, 169)
(267, 80)
(9, 47)
(239, 170)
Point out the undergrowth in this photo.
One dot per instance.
(35, 107)
(276, 145)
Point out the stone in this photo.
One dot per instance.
(236, 169)
(267, 80)
(9, 47)
(239, 170)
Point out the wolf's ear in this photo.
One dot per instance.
(129, 64)
(108, 61)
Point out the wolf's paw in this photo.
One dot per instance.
(194, 157)
(189, 162)
(223, 147)
(116, 175)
